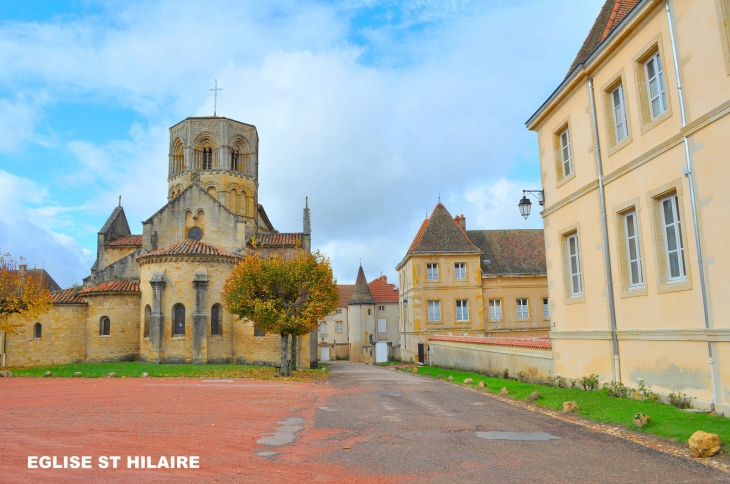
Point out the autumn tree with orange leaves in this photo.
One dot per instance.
(22, 292)
(285, 297)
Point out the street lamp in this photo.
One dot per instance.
(525, 204)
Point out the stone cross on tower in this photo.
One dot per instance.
(215, 97)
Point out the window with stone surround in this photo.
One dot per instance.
(147, 316)
(216, 328)
(432, 271)
(523, 309)
(338, 326)
(462, 310)
(37, 331)
(434, 311)
(460, 270)
(178, 320)
(546, 308)
(495, 309)
(104, 326)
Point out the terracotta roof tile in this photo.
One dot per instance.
(66, 296)
(190, 247)
(279, 240)
(128, 241)
(118, 285)
(516, 251)
(535, 342)
(611, 14)
(382, 291)
(345, 291)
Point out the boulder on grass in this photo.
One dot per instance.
(5, 374)
(415, 369)
(570, 407)
(703, 444)
(641, 419)
(481, 384)
(111, 374)
(532, 397)
(504, 391)
(450, 378)
(440, 377)
(77, 374)
(469, 380)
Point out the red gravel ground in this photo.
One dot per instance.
(218, 421)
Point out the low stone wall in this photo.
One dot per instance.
(492, 356)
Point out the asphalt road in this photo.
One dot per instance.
(404, 427)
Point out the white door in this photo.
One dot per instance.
(381, 352)
(325, 352)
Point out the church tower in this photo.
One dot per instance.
(222, 155)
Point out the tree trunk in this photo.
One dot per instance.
(284, 354)
(294, 341)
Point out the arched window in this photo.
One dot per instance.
(147, 316)
(177, 158)
(178, 320)
(104, 326)
(234, 201)
(37, 330)
(207, 158)
(216, 328)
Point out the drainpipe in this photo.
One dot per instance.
(604, 226)
(690, 175)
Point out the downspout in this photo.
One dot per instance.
(604, 226)
(690, 176)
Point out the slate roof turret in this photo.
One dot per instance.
(361, 293)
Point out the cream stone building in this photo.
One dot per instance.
(367, 314)
(633, 146)
(455, 281)
(156, 296)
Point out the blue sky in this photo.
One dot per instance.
(372, 108)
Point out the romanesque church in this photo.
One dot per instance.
(156, 296)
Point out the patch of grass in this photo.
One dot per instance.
(135, 370)
(665, 420)
(389, 363)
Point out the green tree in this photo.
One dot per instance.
(287, 297)
(22, 292)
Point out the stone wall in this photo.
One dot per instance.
(63, 338)
(122, 343)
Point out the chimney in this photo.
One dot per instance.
(462, 222)
(23, 267)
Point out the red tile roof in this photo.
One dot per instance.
(119, 285)
(382, 291)
(345, 293)
(67, 296)
(128, 241)
(190, 247)
(279, 240)
(535, 342)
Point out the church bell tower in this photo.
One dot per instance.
(223, 156)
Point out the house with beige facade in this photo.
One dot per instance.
(633, 146)
(367, 314)
(156, 296)
(459, 282)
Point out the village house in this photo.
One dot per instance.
(633, 146)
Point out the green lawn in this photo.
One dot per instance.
(135, 369)
(665, 420)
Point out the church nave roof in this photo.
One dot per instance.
(190, 247)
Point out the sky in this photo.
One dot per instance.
(374, 109)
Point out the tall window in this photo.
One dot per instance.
(257, 332)
(338, 327)
(546, 308)
(234, 160)
(434, 310)
(215, 320)
(462, 310)
(382, 325)
(565, 152)
(655, 82)
(495, 309)
(523, 311)
(147, 316)
(323, 327)
(619, 113)
(104, 326)
(37, 330)
(673, 244)
(460, 270)
(178, 320)
(633, 252)
(576, 282)
(432, 272)
(207, 158)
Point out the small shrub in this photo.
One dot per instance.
(618, 390)
(522, 376)
(560, 381)
(505, 374)
(645, 392)
(589, 382)
(680, 400)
